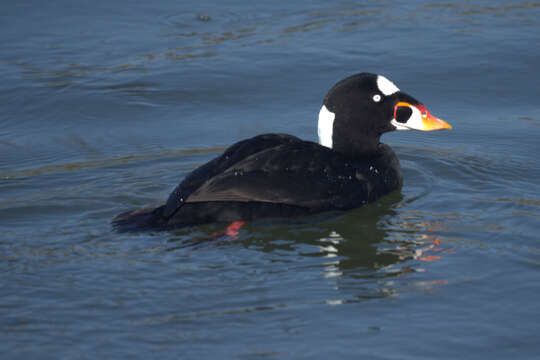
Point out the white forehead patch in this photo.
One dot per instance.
(326, 127)
(386, 86)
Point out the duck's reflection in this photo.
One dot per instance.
(366, 249)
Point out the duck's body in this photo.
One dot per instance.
(273, 175)
(278, 175)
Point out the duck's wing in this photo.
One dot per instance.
(297, 173)
(211, 170)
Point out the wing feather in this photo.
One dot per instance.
(302, 174)
(231, 156)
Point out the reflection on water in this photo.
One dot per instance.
(359, 251)
(136, 158)
(200, 36)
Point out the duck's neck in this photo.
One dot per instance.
(359, 147)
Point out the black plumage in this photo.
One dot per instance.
(279, 175)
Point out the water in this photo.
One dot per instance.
(107, 105)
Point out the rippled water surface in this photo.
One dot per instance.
(107, 105)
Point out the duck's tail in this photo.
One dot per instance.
(146, 218)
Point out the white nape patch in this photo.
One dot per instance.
(326, 127)
(414, 123)
(386, 86)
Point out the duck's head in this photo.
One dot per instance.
(359, 109)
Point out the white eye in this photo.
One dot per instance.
(376, 97)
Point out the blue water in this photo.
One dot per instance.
(107, 105)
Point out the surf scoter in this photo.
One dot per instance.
(279, 175)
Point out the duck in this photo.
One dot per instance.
(282, 176)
